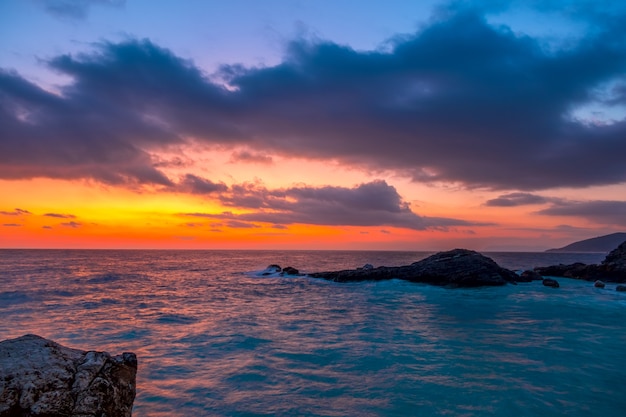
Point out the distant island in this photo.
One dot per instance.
(596, 244)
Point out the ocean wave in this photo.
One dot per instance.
(15, 297)
(176, 319)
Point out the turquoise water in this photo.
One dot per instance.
(215, 339)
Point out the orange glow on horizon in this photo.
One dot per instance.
(80, 214)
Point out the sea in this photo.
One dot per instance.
(216, 337)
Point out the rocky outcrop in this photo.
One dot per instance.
(612, 269)
(549, 282)
(276, 270)
(458, 268)
(290, 271)
(529, 276)
(40, 378)
(615, 263)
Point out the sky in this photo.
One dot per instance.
(311, 124)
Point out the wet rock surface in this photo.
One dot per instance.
(39, 377)
(458, 268)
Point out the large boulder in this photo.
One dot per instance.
(39, 377)
(458, 267)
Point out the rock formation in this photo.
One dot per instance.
(529, 276)
(549, 282)
(458, 267)
(612, 269)
(39, 377)
(290, 271)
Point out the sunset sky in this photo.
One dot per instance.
(311, 124)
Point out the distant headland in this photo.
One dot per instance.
(600, 244)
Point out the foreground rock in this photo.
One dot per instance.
(458, 267)
(39, 377)
(612, 269)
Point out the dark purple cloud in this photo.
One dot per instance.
(370, 204)
(15, 212)
(237, 224)
(460, 100)
(198, 185)
(72, 224)
(60, 216)
(11, 225)
(599, 212)
(517, 199)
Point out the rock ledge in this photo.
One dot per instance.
(612, 269)
(456, 268)
(40, 378)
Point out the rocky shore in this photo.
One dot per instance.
(467, 268)
(455, 268)
(40, 378)
(612, 269)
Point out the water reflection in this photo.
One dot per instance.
(212, 340)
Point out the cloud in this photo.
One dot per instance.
(459, 101)
(598, 211)
(517, 199)
(12, 225)
(75, 9)
(197, 185)
(60, 216)
(193, 224)
(370, 204)
(16, 212)
(72, 224)
(236, 224)
(80, 135)
(251, 157)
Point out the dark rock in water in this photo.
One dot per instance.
(367, 267)
(271, 270)
(458, 267)
(290, 271)
(599, 284)
(39, 377)
(528, 276)
(621, 288)
(575, 270)
(549, 282)
(612, 269)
